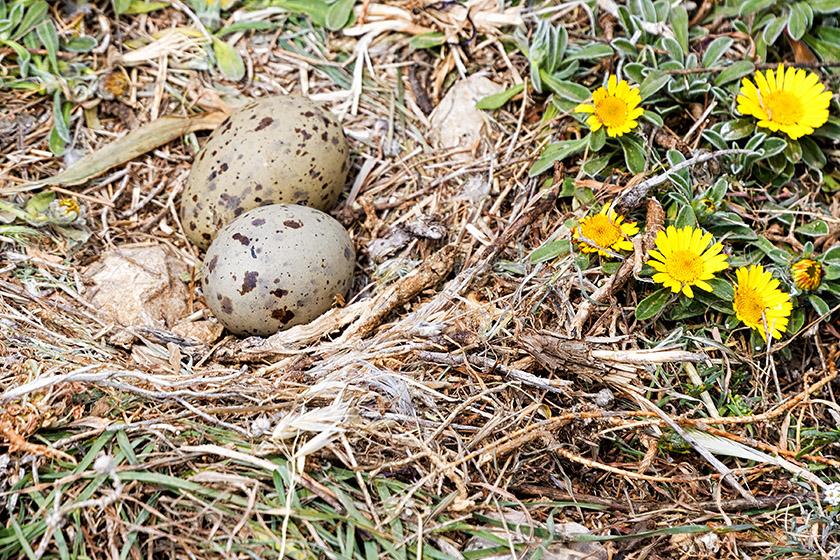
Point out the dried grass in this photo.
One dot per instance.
(450, 387)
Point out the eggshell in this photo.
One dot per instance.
(275, 267)
(277, 149)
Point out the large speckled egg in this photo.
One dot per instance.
(275, 267)
(278, 149)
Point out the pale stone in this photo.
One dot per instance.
(139, 286)
(456, 122)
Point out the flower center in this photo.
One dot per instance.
(684, 266)
(749, 304)
(601, 231)
(784, 107)
(612, 111)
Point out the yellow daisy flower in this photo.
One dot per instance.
(758, 300)
(684, 259)
(615, 107)
(791, 100)
(606, 230)
(807, 274)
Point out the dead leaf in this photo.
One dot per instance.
(135, 143)
(801, 52)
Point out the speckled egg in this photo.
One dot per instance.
(275, 267)
(278, 149)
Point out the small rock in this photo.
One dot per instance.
(139, 286)
(456, 122)
(204, 331)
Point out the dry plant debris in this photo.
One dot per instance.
(513, 375)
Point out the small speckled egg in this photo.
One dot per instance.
(275, 267)
(277, 149)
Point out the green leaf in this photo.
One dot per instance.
(609, 268)
(597, 139)
(627, 21)
(121, 6)
(831, 185)
(594, 166)
(652, 304)
(80, 44)
(23, 57)
(338, 15)
(722, 289)
(773, 146)
(826, 50)
(715, 139)
(315, 9)
(679, 21)
(775, 254)
(245, 26)
(797, 24)
(773, 29)
(634, 153)
(793, 150)
(753, 6)
(49, 38)
(735, 130)
(498, 99)
(825, 6)
(16, 13)
(625, 47)
(718, 190)
(832, 256)
(582, 261)
(142, 7)
(797, 320)
(427, 41)
(734, 71)
(816, 228)
(564, 89)
(812, 155)
(593, 51)
(715, 50)
(647, 11)
(819, 304)
(56, 143)
(653, 118)
(654, 81)
(557, 151)
(229, 61)
(634, 72)
(39, 203)
(685, 217)
(34, 15)
(674, 49)
(61, 125)
(551, 251)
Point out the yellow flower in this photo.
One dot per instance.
(807, 274)
(684, 259)
(792, 101)
(758, 300)
(615, 107)
(606, 230)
